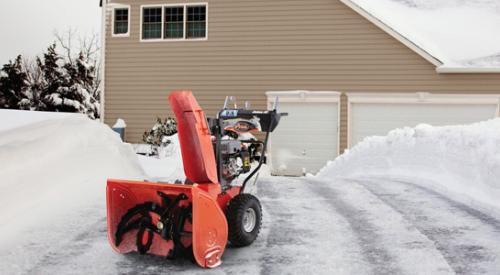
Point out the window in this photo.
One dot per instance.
(196, 21)
(151, 23)
(121, 21)
(174, 22)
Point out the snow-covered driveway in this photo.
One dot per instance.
(418, 212)
(370, 226)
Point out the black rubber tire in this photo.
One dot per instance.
(236, 209)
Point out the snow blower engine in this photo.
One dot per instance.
(197, 218)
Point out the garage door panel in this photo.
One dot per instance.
(369, 119)
(306, 139)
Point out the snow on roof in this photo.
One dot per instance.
(459, 33)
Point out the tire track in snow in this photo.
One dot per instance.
(467, 238)
(304, 236)
(373, 248)
(299, 236)
(392, 244)
(281, 232)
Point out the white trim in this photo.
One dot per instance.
(498, 108)
(163, 6)
(417, 98)
(377, 22)
(465, 70)
(423, 98)
(114, 8)
(305, 97)
(104, 18)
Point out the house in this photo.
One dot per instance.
(344, 69)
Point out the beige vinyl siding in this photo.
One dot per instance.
(259, 46)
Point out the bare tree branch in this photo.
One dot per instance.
(65, 40)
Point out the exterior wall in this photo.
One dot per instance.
(258, 46)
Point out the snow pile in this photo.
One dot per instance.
(53, 182)
(10, 119)
(459, 33)
(463, 161)
(120, 123)
(167, 166)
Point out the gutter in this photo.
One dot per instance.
(465, 70)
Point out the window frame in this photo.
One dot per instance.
(142, 23)
(183, 6)
(113, 13)
(163, 6)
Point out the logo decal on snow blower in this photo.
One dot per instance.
(212, 237)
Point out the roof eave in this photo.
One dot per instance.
(467, 70)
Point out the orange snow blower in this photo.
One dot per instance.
(196, 218)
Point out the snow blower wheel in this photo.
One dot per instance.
(197, 220)
(244, 218)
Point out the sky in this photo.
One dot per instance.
(27, 26)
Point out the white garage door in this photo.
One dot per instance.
(378, 118)
(307, 138)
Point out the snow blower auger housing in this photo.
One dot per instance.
(199, 217)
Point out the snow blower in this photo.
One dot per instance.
(197, 218)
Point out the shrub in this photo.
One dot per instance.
(161, 130)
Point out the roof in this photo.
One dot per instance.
(455, 35)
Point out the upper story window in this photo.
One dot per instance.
(151, 23)
(196, 23)
(121, 21)
(174, 22)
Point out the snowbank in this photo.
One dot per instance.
(53, 182)
(10, 119)
(459, 33)
(167, 167)
(460, 160)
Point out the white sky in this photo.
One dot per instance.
(27, 26)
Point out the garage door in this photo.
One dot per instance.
(379, 115)
(308, 138)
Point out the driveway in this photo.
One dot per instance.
(311, 226)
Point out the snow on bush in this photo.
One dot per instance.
(459, 160)
(167, 166)
(53, 180)
(160, 131)
(158, 138)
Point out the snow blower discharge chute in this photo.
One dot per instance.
(196, 218)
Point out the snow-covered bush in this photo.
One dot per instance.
(69, 88)
(13, 84)
(158, 135)
(53, 83)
